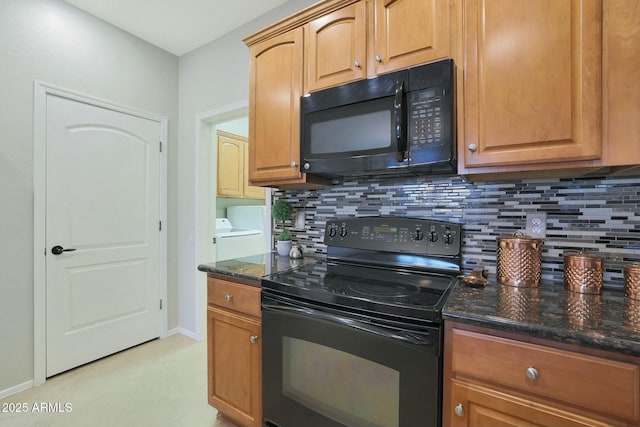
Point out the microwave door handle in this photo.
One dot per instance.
(397, 107)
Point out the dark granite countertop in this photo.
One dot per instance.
(256, 266)
(609, 321)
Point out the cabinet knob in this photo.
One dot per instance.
(459, 410)
(357, 64)
(532, 373)
(253, 338)
(378, 58)
(473, 148)
(294, 164)
(228, 297)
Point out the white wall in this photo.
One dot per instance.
(211, 77)
(51, 41)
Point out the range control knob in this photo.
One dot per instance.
(449, 238)
(419, 235)
(433, 236)
(343, 231)
(332, 231)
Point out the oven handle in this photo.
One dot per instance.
(404, 336)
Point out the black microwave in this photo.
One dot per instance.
(401, 122)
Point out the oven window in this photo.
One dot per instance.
(321, 378)
(352, 128)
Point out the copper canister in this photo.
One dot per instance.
(632, 281)
(583, 273)
(519, 261)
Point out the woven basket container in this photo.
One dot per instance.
(632, 281)
(519, 261)
(583, 273)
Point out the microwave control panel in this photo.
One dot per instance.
(426, 108)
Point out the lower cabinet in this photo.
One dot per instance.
(497, 379)
(234, 351)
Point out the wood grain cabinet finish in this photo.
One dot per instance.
(234, 351)
(335, 48)
(493, 380)
(274, 108)
(233, 168)
(532, 82)
(410, 32)
(621, 67)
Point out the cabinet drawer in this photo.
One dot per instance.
(591, 382)
(234, 296)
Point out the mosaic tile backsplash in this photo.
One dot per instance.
(600, 215)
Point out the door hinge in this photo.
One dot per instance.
(161, 146)
(214, 240)
(160, 304)
(159, 225)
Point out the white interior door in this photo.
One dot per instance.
(103, 209)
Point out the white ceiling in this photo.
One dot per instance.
(177, 26)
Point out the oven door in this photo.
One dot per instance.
(327, 369)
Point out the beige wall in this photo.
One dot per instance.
(51, 41)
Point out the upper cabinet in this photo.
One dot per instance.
(336, 48)
(374, 37)
(274, 107)
(233, 168)
(532, 82)
(621, 68)
(410, 32)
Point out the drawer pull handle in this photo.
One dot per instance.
(459, 410)
(532, 373)
(253, 338)
(228, 297)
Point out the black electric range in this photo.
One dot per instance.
(350, 341)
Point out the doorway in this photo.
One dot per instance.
(229, 118)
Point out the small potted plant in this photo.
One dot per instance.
(282, 211)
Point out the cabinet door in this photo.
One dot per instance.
(622, 85)
(410, 32)
(477, 406)
(274, 108)
(335, 48)
(230, 166)
(235, 373)
(532, 87)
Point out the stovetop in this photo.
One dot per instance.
(390, 266)
(393, 292)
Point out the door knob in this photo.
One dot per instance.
(57, 250)
(379, 58)
(459, 410)
(253, 338)
(473, 148)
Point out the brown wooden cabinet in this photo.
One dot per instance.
(621, 68)
(493, 378)
(532, 82)
(410, 32)
(373, 37)
(234, 350)
(233, 168)
(335, 48)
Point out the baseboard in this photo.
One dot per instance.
(184, 332)
(16, 389)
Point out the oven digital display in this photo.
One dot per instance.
(385, 229)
